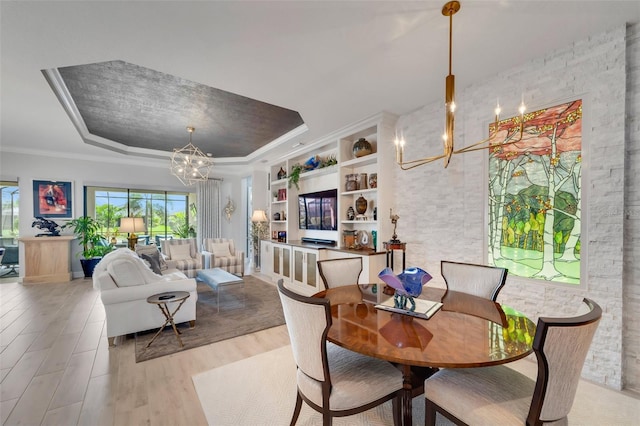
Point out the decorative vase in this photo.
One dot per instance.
(362, 181)
(282, 174)
(352, 183)
(361, 148)
(373, 180)
(361, 205)
(276, 216)
(351, 214)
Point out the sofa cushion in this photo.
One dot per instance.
(220, 249)
(152, 250)
(154, 262)
(126, 272)
(181, 252)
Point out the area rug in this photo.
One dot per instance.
(261, 311)
(261, 390)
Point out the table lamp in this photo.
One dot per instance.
(132, 225)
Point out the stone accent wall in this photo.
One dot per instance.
(631, 287)
(443, 211)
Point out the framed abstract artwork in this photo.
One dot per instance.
(535, 197)
(52, 199)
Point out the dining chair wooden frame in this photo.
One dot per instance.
(292, 301)
(488, 280)
(555, 387)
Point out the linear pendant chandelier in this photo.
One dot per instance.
(189, 164)
(450, 9)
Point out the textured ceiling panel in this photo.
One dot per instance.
(143, 108)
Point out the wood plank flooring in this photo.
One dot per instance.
(56, 367)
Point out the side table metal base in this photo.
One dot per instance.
(161, 300)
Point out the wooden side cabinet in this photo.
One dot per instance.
(46, 259)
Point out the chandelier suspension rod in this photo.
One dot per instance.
(450, 9)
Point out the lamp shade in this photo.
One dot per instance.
(132, 224)
(259, 216)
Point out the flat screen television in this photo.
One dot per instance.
(318, 210)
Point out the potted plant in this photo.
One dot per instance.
(86, 229)
(294, 176)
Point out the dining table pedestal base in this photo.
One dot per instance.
(412, 385)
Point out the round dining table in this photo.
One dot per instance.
(467, 331)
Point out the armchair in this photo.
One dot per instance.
(221, 253)
(125, 281)
(183, 254)
(9, 261)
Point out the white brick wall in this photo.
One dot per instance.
(444, 215)
(631, 215)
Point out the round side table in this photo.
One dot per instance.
(162, 299)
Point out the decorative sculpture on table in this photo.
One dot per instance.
(407, 285)
(48, 225)
(394, 219)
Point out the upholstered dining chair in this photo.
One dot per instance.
(340, 272)
(478, 280)
(499, 395)
(332, 380)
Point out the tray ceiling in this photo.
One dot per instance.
(147, 109)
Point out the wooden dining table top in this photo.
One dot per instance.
(468, 331)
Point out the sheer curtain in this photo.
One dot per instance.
(208, 213)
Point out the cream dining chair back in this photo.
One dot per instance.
(500, 395)
(340, 272)
(478, 280)
(333, 381)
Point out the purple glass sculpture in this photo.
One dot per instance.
(407, 285)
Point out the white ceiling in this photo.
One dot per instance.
(334, 62)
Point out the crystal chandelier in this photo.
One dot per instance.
(450, 9)
(189, 164)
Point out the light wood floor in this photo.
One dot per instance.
(56, 367)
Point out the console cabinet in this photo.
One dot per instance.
(47, 259)
(305, 270)
(281, 261)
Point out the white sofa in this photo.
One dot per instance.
(125, 281)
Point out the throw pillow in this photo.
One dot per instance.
(220, 250)
(152, 250)
(181, 252)
(154, 262)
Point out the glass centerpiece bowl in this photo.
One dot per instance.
(407, 285)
